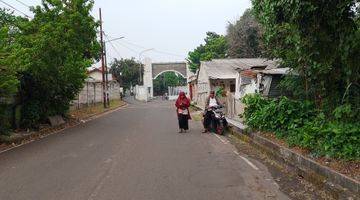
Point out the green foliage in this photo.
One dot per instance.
(215, 47)
(126, 72)
(302, 125)
(320, 40)
(167, 79)
(8, 78)
(54, 50)
(245, 37)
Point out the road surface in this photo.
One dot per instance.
(135, 153)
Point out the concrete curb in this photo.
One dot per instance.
(309, 169)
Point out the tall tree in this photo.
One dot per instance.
(321, 41)
(215, 47)
(245, 37)
(56, 48)
(8, 73)
(126, 71)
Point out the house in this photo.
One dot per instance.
(218, 73)
(232, 75)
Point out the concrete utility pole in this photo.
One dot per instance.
(141, 78)
(102, 62)
(106, 77)
(107, 70)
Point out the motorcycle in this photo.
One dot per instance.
(219, 122)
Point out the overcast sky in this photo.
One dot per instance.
(169, 26)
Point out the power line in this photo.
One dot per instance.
(112, 45)
(161, 52)
(15, 9)
(171, 54)
(129, 48)
(22, 3)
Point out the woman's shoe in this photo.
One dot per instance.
(180, 131)
(205, 131)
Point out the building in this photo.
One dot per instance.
(236, 77)
(92, 92)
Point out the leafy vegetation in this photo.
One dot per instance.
(320, 41)
(245, 37)
(44, 60)
(126, 72)
(215, 47)
(301, 124)
(167, 79)
(8, 78)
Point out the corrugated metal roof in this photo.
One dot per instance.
(227, 68)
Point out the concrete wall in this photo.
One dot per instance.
(142, 93)
(92, 93)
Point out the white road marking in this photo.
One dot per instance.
(247, 161)
(223, 141)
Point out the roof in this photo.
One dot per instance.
(280, 71)
(228, 68)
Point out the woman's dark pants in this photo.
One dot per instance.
(183, 121)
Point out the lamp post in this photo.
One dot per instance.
(142, 52)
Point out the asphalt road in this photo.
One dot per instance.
(135, 153)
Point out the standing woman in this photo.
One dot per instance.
(182, 109)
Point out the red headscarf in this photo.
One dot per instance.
(183, 103)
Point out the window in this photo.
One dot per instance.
(232, 88)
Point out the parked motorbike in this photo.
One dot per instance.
(219, 122)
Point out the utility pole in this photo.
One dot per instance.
(106, 76)
(102, 60)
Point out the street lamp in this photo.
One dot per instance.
(146, 50)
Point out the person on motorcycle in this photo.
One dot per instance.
(211, 102)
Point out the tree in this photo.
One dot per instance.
(167, 79)
(8, 73)
(126, 72)
(215, 47)
(245, 37)
(321, 41)
(55, 49)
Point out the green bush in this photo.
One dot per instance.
(300, 124)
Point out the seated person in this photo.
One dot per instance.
(211, 102)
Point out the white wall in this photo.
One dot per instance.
(203, 87)
(148, 80)
(141, 93)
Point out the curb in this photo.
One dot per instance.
(309, 169)
(34, 136)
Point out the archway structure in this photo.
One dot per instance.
(153, 70)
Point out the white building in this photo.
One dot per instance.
(236, 76)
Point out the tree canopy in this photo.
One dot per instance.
(318, 39)
(245, 37)
(167, 79)
(126, 71)
(54, 49)
(215, 47)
